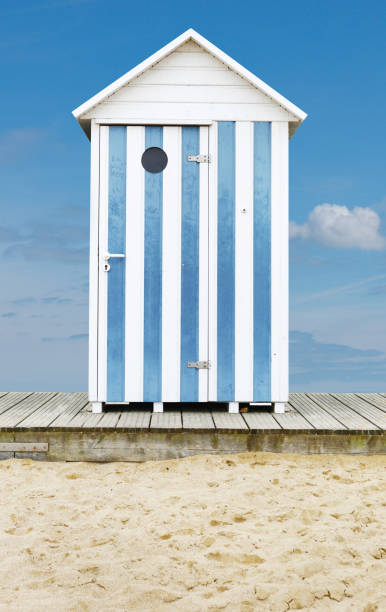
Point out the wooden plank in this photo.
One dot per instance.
(368, 411)
(93, 265)
(169, 421)
(244, 262)
(187, 94)
(376, 399)
(230, 111)
(63, 419)
(11, 399)
(198, 421)
(109, 420)
(24, 447)
(84, 420)
(203, 277)
(224, 421)
(291, 419)
(319, 418)
(171, 267)
(279, 262)
(28, 406)
(258, 421)
(46, 413)
(135, 193)
(134, 419)
(351, 419)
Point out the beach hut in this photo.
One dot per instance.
(189, 232)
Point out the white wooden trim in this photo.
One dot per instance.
(203, 267)
(172, 46)
(212, 392)
(233, 407)
(244, 263)
(97, 407)
(93, 275)
(279, 262)
(158, 407)
(156, 121)
(279, 407)
(103, 276)
(171, 266)
(135, 214)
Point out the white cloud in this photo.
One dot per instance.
(337, 226)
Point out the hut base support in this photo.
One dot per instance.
(158, 407)
(233, 407)
(97, 407)
(279, 407)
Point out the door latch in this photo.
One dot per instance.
(199, 365)
(200, 159)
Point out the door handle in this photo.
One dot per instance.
(108, 256)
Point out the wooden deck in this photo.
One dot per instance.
(60, 426)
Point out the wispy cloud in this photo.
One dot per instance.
(336, 226)
(340, 289)
(56, 300)
(54, 241)
(334, 366)
(72, 338)
(9, 315)
(23, 301)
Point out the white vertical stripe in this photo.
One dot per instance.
(244, 263)
(135, 203)
(203, 267)
(213, 263)
(103, 276)
(171, 266)
(93, 289)
(279, 261)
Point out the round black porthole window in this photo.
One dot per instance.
(154, 160)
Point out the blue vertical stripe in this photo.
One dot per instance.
(190, 196)
(226, 263)
(116, 275)
(152, 358)
(262, 262)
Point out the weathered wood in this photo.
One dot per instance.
(24, 447)
(351, 419)
(85, 420)
(63, 419)
(260, 421)
(113, 445)
(134, 420)
(8, 400)
(376, 399)
(50, 410)
(109, 420)
(169, 421)
(368, 411)
(224, 421)
(77, 435)
(291, 419)
(24, 408)
(198, 421)
(313, 413)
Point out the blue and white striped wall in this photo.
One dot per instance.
(197, 280)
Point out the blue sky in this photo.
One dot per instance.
(328, 58)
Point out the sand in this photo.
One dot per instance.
(247, 532)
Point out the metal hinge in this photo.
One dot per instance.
(200, 159)
(200, 365)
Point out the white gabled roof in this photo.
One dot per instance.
(169, 48)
